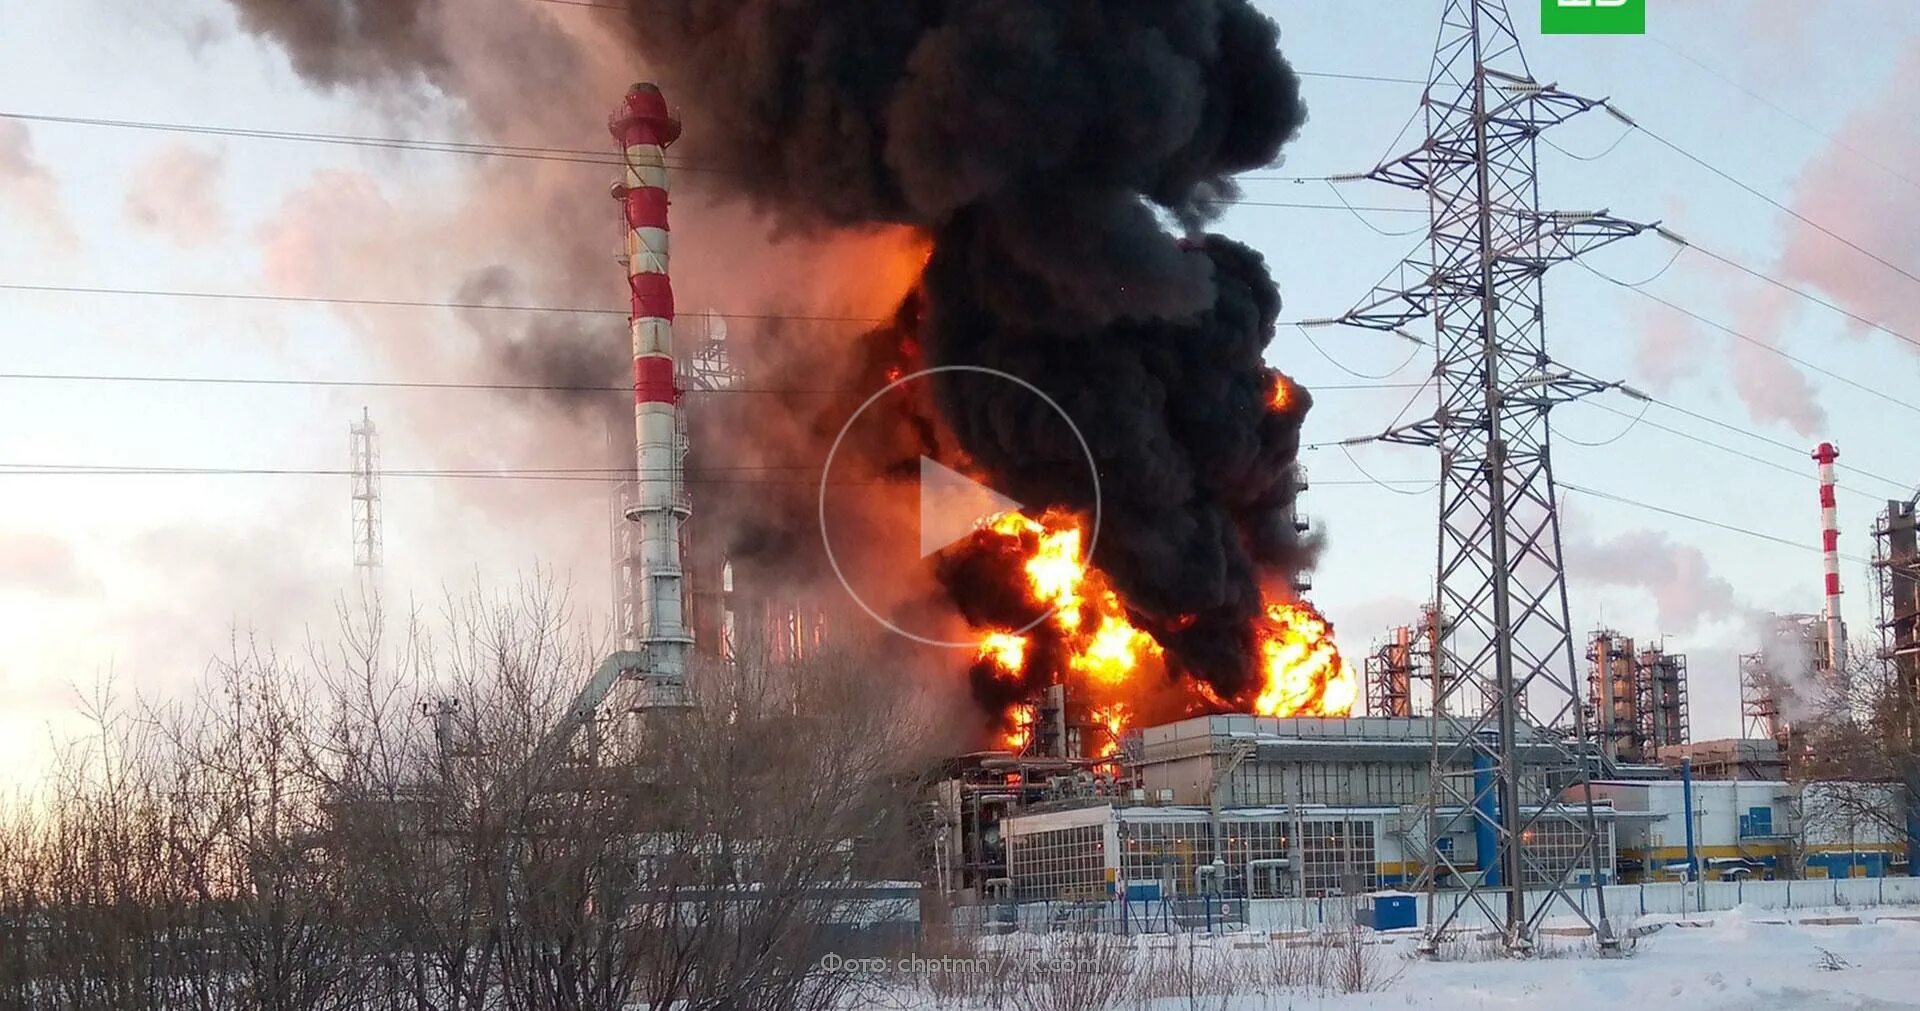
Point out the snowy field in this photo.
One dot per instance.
(1746, 958)
(1743, 959)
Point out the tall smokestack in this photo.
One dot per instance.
(1830, 555)
(644, 128)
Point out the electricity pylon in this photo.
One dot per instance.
(1511, 751)
(364, 451)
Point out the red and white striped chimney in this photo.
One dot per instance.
(644, 128)
(1830, 555)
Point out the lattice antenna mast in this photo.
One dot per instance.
(364, 452)
(1512, 702)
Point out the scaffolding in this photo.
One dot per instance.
(1778, 682)
(1896, 566)
(1391, 673)
(1614, 696)
(1759, 701)
(1662, 683)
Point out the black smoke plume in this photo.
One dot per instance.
(1063, 155)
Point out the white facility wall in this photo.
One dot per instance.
(1624, 903)
(1901, 891)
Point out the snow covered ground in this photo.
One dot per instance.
(1742, 959)
(1746, 958)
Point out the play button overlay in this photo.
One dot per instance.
(894, 501)
(953, 506)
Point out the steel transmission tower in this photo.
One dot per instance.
(1510, 736)
(364, 450)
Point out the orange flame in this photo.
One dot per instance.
(1113, 667)
(1020, 731)
(1007, 651)
(1281, 397)
(1305, 674)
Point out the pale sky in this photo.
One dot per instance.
(142, 577)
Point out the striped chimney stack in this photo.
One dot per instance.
(644, 128)
(1830, 554)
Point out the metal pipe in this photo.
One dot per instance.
(1686, 805)
(1486, 837)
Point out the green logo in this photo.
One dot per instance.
(1593, 17)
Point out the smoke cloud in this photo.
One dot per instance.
(176, 193)
(28, 186)
(1686, 592)
(1047, 149)
(1064, 160)
(335, 42)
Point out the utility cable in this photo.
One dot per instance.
(483, 149)
(1805, 294)
(1376, 229)
(1769, 103)
(1602, 153)
(1678, 249)
(1756, 342)
(405, 303)
(1777, 205)
(407, 384)
(1677, 514)
(578, 475)
(1348, 452)
(1308, 334)
(1789, 447)
(1633, 422)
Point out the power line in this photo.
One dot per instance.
(1756, 342)
(1789, 447)
(423, 384)
(1388, 485)
(527, 152)
(1803, 293)
(1633, 422)
(1776, 107)
(1677, 514)
(1777, 205)
(577, 475)
(1379, 78)
(405, 303)
(1308, 334)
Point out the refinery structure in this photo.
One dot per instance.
(1482, 749)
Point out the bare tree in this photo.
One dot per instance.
(390, 823)
(1863, 745)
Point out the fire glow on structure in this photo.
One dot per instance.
(1111, 667)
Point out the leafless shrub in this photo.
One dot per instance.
(1359, 965)
(389, 823)
(1193, 972)
(1076, 972)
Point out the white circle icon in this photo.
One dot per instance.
(952, 506)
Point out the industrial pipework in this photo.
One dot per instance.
(1830, 555)
(644, 128)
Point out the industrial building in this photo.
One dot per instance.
(1245, 806)
(1766, 829)
(1896, 563)
(1638, 698)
